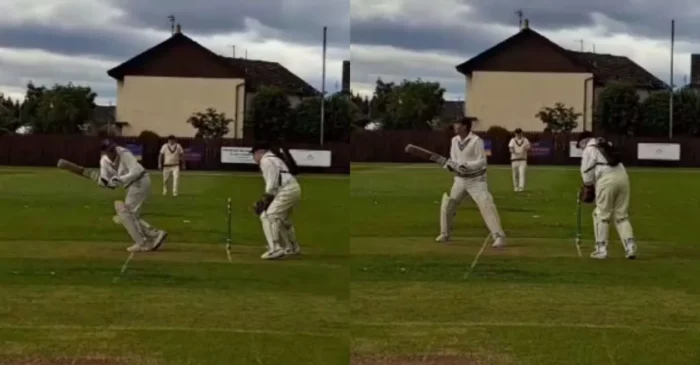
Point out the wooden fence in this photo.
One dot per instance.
(45, 150)
(388, 146)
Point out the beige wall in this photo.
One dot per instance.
(511, 99)
(163, 104)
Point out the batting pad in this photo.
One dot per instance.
(271, 229)
(129, 223)
(448, 209)
(487, 208)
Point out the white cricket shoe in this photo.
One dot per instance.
(138, 248)
(159, 240)
(273, 254)
(631, 250)
(292, 251)
(442, 238)
(600, 253)
(499, 242)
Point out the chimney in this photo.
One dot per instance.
(346, 77)
(178, 28)
(526, 23)
(695, 69)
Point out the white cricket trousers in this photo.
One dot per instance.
(519, 167)
(136, 195)
(612, 202)
(276, 220)
(171, 172)
(478, 189)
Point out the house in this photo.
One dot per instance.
(159, 89)
(510, 82)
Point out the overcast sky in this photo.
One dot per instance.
(52, 41)
(399, 39)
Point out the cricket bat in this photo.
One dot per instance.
(78, 170)
(422, 153)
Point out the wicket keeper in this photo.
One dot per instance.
(605, 182)
(282, 194)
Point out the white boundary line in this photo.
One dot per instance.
(167, 329)
(526, 325)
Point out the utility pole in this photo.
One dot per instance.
(234, 51)
(171, 18)
(520, 15)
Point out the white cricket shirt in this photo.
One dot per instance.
(519, 148)
(172, 155)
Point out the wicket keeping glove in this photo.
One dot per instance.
(587, 193)
(261, 205)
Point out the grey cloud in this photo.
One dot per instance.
(105, 43)
(459, 40)
(647, 18)
(295, 21)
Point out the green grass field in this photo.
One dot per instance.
(536, 302)
(186, 304)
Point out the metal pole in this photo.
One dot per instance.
(670, 97)
(323, 85)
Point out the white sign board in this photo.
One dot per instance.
(305, 158)
(311, 158)
(574, 151)
(659, 151)
(237, 155)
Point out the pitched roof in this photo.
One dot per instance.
(605, 67)
(609, 68)
(264, 73)
(175, 40)
(256, 73)
(526, 33)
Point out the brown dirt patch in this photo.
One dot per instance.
(415, 360)
(59, 361)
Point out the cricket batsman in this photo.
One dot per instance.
(468, 163)
(606, 183)
(519, 147)
(282, 194)
(170, 159)
(119, 168)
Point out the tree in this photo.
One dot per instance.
(559, 118)
(270, 114)
(653, 115)
(62, 109)
(617, 109)
(9, 115)
(339, 114)
(413, 105)
(686, 112)
(363, 107)
(380, 99)
(210, 124)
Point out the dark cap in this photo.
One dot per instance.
(107, 144)
(260, 146)
(583, 135)
(171, 138)
(518, 130)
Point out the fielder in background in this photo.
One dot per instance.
(119, 168)
(606, 183)
(468, 163)
(519, 147)
(282, 194)
(170, 159)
